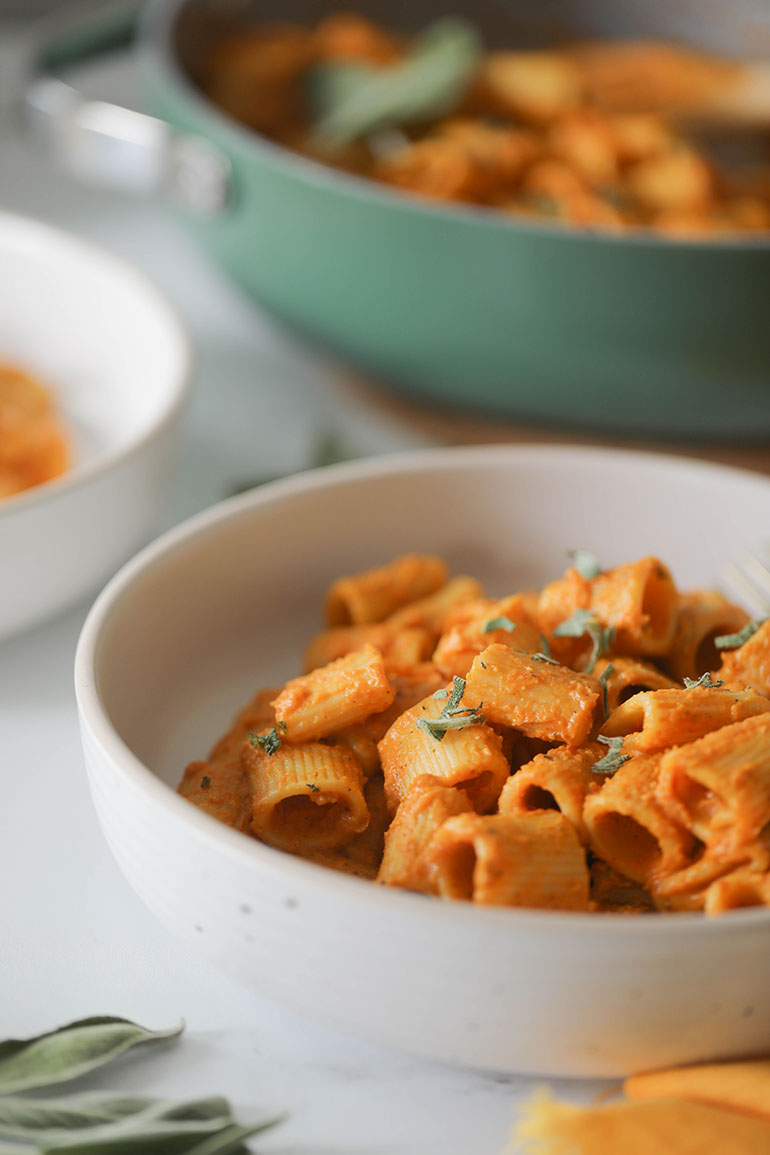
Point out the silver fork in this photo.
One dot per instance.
(751, 579)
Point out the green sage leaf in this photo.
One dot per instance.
(704, 680)
(604, 678)
(584, 622)
(613, 759)
(137, 1138)
(429, 82)
(71, 1051)
(231, 1139)
(734, 641)
(501, 623)
(46, 1118)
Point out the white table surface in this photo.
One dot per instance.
(74, 939)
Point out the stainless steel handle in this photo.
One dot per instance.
(106, 144)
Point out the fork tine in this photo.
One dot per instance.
(752, 582)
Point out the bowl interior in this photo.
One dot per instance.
(225, 604)
(97, 333)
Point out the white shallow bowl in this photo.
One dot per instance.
(222, 605)
(116, 359)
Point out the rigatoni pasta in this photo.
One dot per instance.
(533, 749)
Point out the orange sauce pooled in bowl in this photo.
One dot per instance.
(34, 447)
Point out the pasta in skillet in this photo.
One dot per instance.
(602, 744)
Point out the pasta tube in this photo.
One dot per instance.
(424, 809)
(657, 719)
(629, 676)
(334, 697)
(307, 798)
(471, 757)
(701, 617)
(399, 647)
(365, 849)
(740, 888)
(409, 688)
(360, 743)
(373, 595)
(479, 623)
(537, 698)
(532, 860)
(629, 828)
(720, 785)
(640, 601)
(560, 779)
(430, 613)
(749, 663)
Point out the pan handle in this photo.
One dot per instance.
(107, 144)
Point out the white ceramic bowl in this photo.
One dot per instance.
(117, 361)
(220, 606)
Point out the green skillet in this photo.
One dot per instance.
(465, 306)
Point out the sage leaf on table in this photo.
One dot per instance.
(231, 1139)
(37, 1118)
(71, 1051)
(158, 1140)
(353, 101)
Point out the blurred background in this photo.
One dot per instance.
(304, 390)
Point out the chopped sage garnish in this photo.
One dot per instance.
(205, 782)
(440, 695)
(604, 678)
(71, 1051)
(269, 742)
(704, 680)
(438, 727)
(585, 563)
(501, 623)
(456, 695)
(544, 653)
(613, 759)
(733, 641)
(539, 656)
(353, 101)
(584, 622)
(453, 715)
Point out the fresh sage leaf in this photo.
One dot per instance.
(704, 680)
(453, 716)
(47, 1118)
(430, 81)
(604, 678)
(137, 1138)
(585, 562)
(71, 1051)
(734, 641)
(231, 1139)
(584, 622)
(26, 1116)
(333, 83)
(501, 623)
(613, 759)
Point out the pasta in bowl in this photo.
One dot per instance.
(541, 990)
(494, 786)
